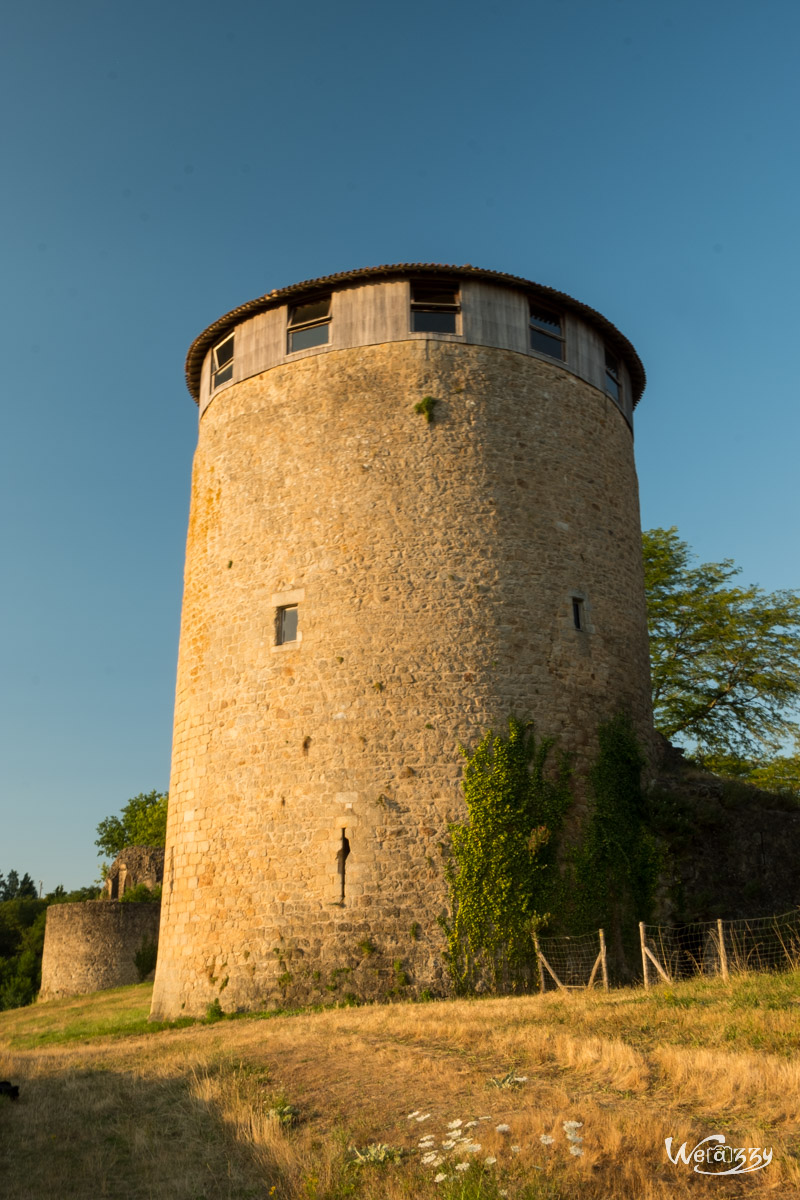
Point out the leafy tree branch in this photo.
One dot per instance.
(725, 659)
(142, 822)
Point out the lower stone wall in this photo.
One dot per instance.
(91, 946)
(731, 849)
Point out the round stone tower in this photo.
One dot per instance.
(414, 512)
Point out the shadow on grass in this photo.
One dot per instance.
(80, 1134)
(203, 1134)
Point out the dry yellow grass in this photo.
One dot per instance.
(184, 1113)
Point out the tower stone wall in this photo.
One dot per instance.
(92, 946)
(434, 568)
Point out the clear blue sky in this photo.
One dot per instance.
(166, 162)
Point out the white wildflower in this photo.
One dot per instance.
(474, 1148)
(516, 1149)
(573, 1137)
(462, 1166)
(576, 1150)
(520, 1079)
(440, 1178)
(455, 1124)
(490, 1161)
(572, 1125)
(503, 1128)
(484, 1118)
(424, 1118)
(437, 1162)
(547, 1139)
(428, 1158)
(470, 1124)
(448, 1145)
(429, 1137)
(411, 1116)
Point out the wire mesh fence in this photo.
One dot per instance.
(680, 950)
(720, 947)
(674, 952)
(572, 962)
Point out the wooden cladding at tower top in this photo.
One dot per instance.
(471, 311)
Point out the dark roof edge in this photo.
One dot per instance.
(201, 345)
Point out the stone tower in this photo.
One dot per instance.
(366, 589)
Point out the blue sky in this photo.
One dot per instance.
(166, 162)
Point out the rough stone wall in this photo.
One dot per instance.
(435, 565)
(731, 849)
(91, 946)
(132, 866)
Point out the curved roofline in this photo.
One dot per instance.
(214, 333)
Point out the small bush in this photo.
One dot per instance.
(145, 958)
(401, 978)
(142, 894)
(376, 1154)
(214, 1011)
(282, 1112)
(425, 407)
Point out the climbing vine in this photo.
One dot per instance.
(616, 862)
(501, 866)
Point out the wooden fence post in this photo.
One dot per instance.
(539, 960)
(723, 953)
(603, 963)
(644, 955)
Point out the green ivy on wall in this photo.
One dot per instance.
(501, 869)
(616, 863)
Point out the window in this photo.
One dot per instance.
(222, 362)
(286, 624)
(341, 859)
(547, 332)
(434, 307)
(309, 324)
(578, 619)
(613, 379)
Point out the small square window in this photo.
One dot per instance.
(547, 332)
(286, 624)
(578, 617)
(309, 324)
(613, 379)
(222, 362)
(434, 307)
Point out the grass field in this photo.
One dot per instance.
(111, 1106)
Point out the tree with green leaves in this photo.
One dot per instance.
(725, 660)
(14, 888)
(142, 822)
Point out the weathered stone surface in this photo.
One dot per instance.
(91, 946)
(133, 866)
(437, 565)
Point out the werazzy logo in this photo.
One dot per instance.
(712, 1156)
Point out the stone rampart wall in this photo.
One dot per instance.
(91, 946)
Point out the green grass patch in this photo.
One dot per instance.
(115, 1013)
(119, 1012)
